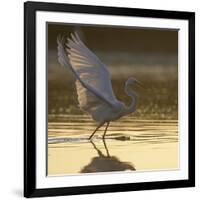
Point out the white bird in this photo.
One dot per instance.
(93, 82)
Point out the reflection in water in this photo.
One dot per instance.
(145, 144)
(105, 163)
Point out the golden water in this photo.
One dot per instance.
(130, 144)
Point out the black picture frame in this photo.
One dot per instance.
(30, 9)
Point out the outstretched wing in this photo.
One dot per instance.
(93, 82)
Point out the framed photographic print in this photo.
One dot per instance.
(109, 99)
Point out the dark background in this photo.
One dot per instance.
(120, 39)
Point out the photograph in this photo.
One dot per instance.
(112, 99)
(109, 98)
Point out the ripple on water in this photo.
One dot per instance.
(126, 130)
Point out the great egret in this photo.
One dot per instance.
(93, 82)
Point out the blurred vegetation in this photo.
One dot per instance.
(151, 56)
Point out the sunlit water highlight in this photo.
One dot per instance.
(130, 144)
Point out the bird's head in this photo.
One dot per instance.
(133, 81)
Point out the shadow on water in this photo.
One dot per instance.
(105, 163)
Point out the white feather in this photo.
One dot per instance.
(93, 82)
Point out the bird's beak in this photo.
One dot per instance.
(140, 84)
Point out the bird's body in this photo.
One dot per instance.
(105, 113)
(93, 82)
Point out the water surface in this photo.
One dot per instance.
(130, 144)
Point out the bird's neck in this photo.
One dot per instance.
(132, 107)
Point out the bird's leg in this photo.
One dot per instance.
(105, 130)
(95, 130)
